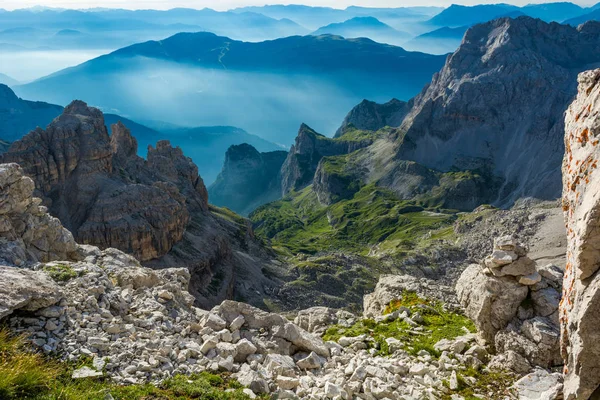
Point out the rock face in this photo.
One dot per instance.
(310, 147)
(497, 102)
(248, 179)
(580, 333)
(514, 304)
(371, 116)
(155, 209)
(27, 232)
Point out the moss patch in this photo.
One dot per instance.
(60, 272)
(438, 323)
(473, 384)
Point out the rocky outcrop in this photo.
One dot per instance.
(72, 165)
(27, 232)
(248, 179)
(310, 147)
(498, 103)
(372, 116)
(514, 304)
(580, 326)
(317, 319)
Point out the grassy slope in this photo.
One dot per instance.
(374, 216)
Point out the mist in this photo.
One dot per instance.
(271, 105)
(26, 66)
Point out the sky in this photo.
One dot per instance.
(228, 4)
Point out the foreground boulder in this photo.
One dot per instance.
(26, 290)
(580, 325)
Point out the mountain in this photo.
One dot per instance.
(18, 116)
(316, 17)
(590, 16)
(310, 147)
(248, 179)
(205, 145)
(368, 27)
(457, 15)
(494, 122)
(199, 79)
(549, 12)
(106, 28)
(440, 41)
(155, 209)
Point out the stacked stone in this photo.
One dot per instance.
(514, 304)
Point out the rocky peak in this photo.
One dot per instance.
(309, 148)
(581, 184)
(171, 164)
(78, 107)
(248, 179)
(123, 145)
(498, 102)
(76, 144)
(372, 116)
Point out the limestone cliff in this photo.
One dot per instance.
(581, 293)
(309, 148)
(248, 179)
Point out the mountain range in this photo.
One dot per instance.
(202, 79)
(485, 130)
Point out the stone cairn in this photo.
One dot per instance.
(514, 303)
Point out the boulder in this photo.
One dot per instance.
(391, 287)
(490, 301)
(540, 385)
(26, 290)
(317, 319)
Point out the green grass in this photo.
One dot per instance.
(60, 272)
(438, 323)
(353, 134)
(493, 385)
(300, 224)
(26, 375)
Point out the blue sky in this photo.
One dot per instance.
(226, 4)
